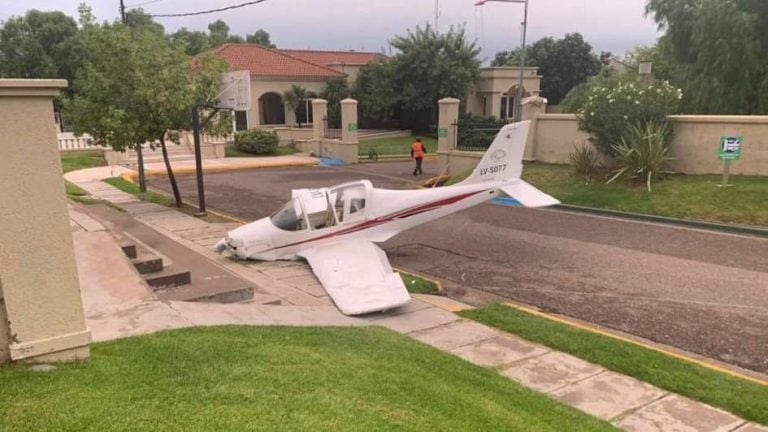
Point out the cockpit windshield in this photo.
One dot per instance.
(289, 217)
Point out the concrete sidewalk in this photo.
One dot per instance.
(119, 311)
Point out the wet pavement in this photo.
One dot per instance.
(700, 291)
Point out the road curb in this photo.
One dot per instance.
(218, 169)
(597, 329)
(712, 226)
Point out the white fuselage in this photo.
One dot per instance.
(385, 214)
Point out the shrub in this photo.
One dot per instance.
(585, 160)
(642, 152)
(256, 141)
(477, 132)
(610, 109)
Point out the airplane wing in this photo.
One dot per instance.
(357, 276)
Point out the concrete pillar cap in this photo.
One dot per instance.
(449, 100)
(319, 101)
(348, 101)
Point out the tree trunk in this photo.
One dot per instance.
(171, 177)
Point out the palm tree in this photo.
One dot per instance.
(295, 97)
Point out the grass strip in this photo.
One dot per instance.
(133, 189)
(76, 160)
(232, 151)
(743, 398)
(267, 378)
(418, 285)
(394, 146)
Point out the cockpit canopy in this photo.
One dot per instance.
(323, 208)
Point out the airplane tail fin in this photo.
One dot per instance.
(503, 161)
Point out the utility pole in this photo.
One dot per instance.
(519, 98)
(139, 153)
(437, 13)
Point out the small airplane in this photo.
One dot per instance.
(335, 228)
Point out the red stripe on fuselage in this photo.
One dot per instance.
(402, 214)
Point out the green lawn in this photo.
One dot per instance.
(133, 188)
(231, 151)
(395, 146)
(744, 398)
(681, 196)
(418, 285)
(275, 378)
(75, 160)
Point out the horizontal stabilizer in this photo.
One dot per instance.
(528, 195)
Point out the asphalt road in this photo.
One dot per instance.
(700, 291)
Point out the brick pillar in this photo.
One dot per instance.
(448, 115)
(41, 312)
(319, 112)
(349, 121)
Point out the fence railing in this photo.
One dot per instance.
(470, 138)
(329, 131)
(69, 142)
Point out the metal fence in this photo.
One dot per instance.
(331, 129)
(470, 138)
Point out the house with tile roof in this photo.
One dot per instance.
(274, 71)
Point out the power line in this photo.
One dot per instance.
(144, 3)
(208, 11)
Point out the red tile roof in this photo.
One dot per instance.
(327, 58)
(269, 62)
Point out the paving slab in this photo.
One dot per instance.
(608, 395)
(135, 318)
(751, 427)
(443, 302)
(676, 413)
(499, 351)
(307, 283)
(412, 306)
(551, 371)
(310, 316)
(418, 320)
(456, 334)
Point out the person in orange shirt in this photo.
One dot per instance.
(418, 150)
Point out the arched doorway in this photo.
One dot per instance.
(272, 109)
(508, 103)
(304, 110)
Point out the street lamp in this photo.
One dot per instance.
(519, 97)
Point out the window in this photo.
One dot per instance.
(504, 107)
(349, 202)
(289, 217)
(241, 120)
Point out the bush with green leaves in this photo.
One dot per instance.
(642, 153)
(585, 160)
(476, 132)
(257, 141)
(610, 109)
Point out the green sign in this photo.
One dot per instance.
(730, 147)
(352, 127)
(442, 132)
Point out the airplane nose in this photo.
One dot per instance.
(221, 246)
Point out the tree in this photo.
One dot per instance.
(136, 87)
(219, 34)
(563, 63)
(40, 45)
(194, 42)
(334, 91)
(294, 98)
(376, 91)
(717, 51)
(139, 20)
(260, 37)
(431, 66)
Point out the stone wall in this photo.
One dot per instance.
(694, 143)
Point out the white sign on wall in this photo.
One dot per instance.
(236, 91)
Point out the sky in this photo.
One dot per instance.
(367, 25)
